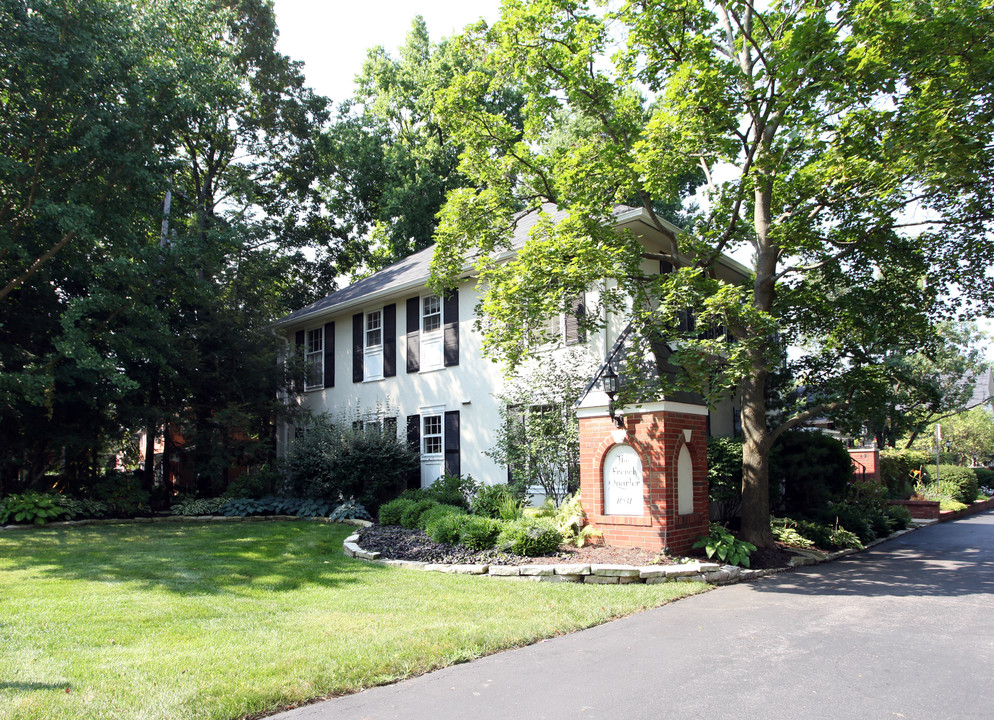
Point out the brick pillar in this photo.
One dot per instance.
(657, 435)
(865, 463)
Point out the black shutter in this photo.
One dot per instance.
(329, 355)
(413, 334)
(574, 333)
(298, 382)
(414, 445)
(450, 310)
(452, 466)
(665, 267)
(390, 340)
(357, 345)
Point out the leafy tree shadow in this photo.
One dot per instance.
(952, 560)
(193, 558)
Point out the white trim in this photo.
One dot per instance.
(649, 407)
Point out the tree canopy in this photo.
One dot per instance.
(847, 150)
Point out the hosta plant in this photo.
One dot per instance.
(728, 548)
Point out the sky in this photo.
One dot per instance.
(332, 38)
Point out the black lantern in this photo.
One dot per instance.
(610, 382)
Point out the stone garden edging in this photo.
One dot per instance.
(707, 572)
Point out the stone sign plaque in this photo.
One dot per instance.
(623, 482)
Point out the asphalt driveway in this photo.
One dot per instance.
(905, 630)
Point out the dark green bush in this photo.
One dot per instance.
(266, 480)
(985, 477)
(814, 470)
(964, 479)
(479, 533)
(446, 529)
(341, 461)
(862, 521)
(391, 512)
(529, 536)
(30, 507)
(901, 469)
(437, 511)
(411, 517)
(488, 499)
(900, 517)
(452, 490)
(122, 493)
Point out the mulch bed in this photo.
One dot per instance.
(399, 543)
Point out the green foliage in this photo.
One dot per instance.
(510, 508)
(530, 537)
(263, 481)
(571, 521)
(391, 512)
(728, 548)
(814, 470)
(85, 508)
(198, 506)
(279, 505)
(479, 533)
(786, 532)
(488, 498)
(968, 435)
(452, 490)
(951, 505)
(901, 469)
(900, 516)
(349, 510)
(962, 480)
(411, 517)
(436, 511)
(447, 528)
(30, 507)
(725, 477)
(539, 436)
(337, 461)
(122, 493)
(985, 478)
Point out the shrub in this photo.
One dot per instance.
(963, 479)
(122, 493)
(571, 521)
(446, 529)
(479, 533)
(859, 520)
(530, 537)
(436, 511)
(29, 507)
(264, 481)
(813, 468)
(411, 517)
(985, 478)
(901, 469)
(391, 512)
(725, 477)
(726, 546)
(900, 516)
(85, 508)
(488, 498)
(826, 537)
(349, 510)
(452, 490)
(335, 462)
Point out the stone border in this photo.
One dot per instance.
(706, 572)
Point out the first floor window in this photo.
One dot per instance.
(314, 359)
(431, 435)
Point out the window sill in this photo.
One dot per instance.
(422, 371)
(374, 379)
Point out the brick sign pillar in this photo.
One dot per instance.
(865, 463)
(645, 485)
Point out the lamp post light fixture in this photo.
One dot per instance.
(610, 384)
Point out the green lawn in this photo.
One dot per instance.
(227, 619)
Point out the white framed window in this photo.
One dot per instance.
(431, 434)
(373, 345)
(314, 359)
(432, 338)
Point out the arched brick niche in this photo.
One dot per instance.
(660, 439)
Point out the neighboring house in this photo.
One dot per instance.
(386, 350)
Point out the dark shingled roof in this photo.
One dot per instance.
(412, 271)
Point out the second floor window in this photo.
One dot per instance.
(314, 359)
(374, 345)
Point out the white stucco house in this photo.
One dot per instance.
(388, 350)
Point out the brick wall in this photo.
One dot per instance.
(657, 437)
(865, 463)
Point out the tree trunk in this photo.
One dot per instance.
(755, 459)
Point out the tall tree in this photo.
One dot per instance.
(390, 160)
(847, 147)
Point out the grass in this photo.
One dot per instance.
(230, 619)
